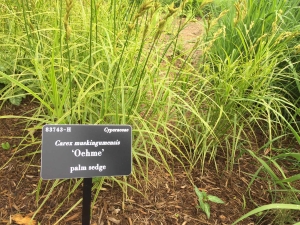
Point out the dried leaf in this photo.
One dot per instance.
(267, 151)
(19, 219)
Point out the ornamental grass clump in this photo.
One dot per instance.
(105, 70)
(251, 63)
(268, 31)
(235, 91)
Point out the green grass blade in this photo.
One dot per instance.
(268, 207)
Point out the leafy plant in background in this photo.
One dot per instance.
(263, 34)
(16, 59)
(5, 145)
(204, 199)
(13, 93)
(197, 8)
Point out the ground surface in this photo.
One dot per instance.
(166, 199)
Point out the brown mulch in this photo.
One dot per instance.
(164, 199)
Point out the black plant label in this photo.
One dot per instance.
(85, 151)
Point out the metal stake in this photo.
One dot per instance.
(86, 201)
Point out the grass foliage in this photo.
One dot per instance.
(105, 62)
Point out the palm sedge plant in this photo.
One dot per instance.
(93, 62)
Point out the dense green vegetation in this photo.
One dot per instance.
(104, 62)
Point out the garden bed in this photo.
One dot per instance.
(165, 199)
(213, 103)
